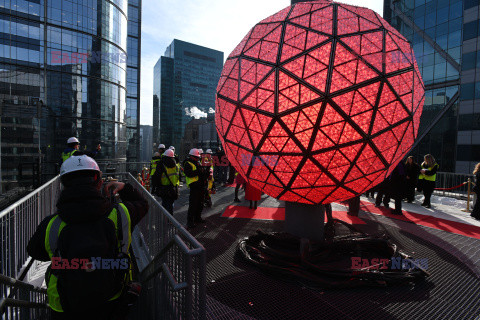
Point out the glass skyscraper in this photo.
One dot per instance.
(133, 79)
(64, 63)
(444, 36)
(184, 86)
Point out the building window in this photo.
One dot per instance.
(471, 3)
(467, 91)
(470, 30)
(469, 61)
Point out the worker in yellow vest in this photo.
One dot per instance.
(207, 164)
(73, 148)
(168, 171)
(83, 238)
(427, 177)
(154, 179)
(195, 181)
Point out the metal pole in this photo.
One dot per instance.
(468, 194)
(1, 171)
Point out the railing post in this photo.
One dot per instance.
(468, 194)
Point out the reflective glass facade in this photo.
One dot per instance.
(72, 56)
(133, 79)
(185, 82)
(444, 36)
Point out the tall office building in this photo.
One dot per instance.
(133, 79)
(184, 86)
(444, 36)
(64, 61)
(146, 143)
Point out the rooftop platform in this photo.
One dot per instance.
(446, 236)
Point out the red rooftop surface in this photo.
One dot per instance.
(319, 102)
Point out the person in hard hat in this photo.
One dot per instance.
(168, 172)
(195, 181)
(154, 179)
(87, 224)
(161, 148)
(207, 164)
(73, 148)
(176, 155)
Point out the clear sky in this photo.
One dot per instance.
(216, 24)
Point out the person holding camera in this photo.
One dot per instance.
(88, 241)
(169, 173)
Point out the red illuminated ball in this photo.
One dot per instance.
(319, 102)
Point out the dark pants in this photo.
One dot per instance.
(195, 204)
(231, 174)
(428, 187)
(370, 192)
(167, 203)
(476, 208)
(410, 190)
(398, 205)
(382, 196)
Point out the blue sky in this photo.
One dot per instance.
(216, 24)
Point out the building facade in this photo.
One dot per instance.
(134, 30)
(185, 83)
(444, 35)
(65, 62)
(146, 143)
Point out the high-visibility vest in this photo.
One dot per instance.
(153, 166)
(171, 174)
(210, 179)
(193, 179)
(67, 155)
(428, 178)
(56, 225)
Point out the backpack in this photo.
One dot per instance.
(83, 289)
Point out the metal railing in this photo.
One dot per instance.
(446, 180)
(113, 167)
(172, 265)
(25, 301)
(17, 224)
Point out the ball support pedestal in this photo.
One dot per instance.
(305, 220)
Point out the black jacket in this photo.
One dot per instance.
(82, 203)
(412, 170)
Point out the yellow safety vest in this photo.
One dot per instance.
(191, 180)
(55, 226)
(153, 166)
(171, 175)
(67, 155)
(428, 178)
(210, 180)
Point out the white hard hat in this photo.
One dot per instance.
(156, 154)
(72, 140)
(161, 146)
(78, 163)
(200, 150)
(209, 151)
(169, 153)
(194, 152)
(172, 148)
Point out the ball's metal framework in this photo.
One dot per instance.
(319, 102)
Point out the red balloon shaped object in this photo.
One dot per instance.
(319, 102)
